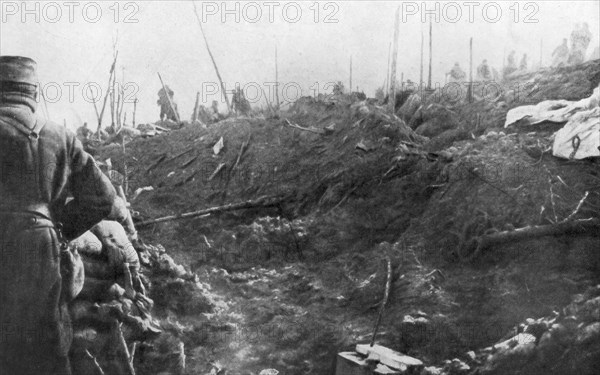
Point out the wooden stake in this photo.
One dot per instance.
(168, 98)
(430, 53)
(124, 350)
(212, 58)
(386, 294)
(470, 91)
(392, 97)
(95, 362)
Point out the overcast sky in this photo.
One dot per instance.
(314, 48)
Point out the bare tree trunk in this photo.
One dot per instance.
(541, 49)
(470, 91)
(212, 58)
(350, 74)
(430, 52)
(392, 97)
(276, 80)
(422, 47)
(110, 79)
(386, 83)
(134, 109)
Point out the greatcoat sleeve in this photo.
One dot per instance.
(92, 191)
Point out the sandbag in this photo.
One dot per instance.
(100, 269)
(116, 245)
(87, 244)
(100, 290)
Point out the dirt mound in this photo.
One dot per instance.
(289, 286)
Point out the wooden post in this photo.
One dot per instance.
(430, 53)
(422, 46)
(276, 79)
(470, 91)
(392, 97)
(169, 98)
(212, 58)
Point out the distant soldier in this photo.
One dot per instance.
(165, 100)
(457, 74)
(560, 56)
(484, 73)
(240, 103)
(215, 115)
(83, 132)
(580, 40)
(511, 64)
(41, 163)
(523, 64)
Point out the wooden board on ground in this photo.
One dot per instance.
(388, 357)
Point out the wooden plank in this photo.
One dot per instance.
(388, 357)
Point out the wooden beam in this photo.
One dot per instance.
(470, 249)
(260, 202)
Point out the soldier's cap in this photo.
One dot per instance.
(18, 69)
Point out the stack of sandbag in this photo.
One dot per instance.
(112, 309)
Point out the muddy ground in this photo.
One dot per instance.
(286, 287)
